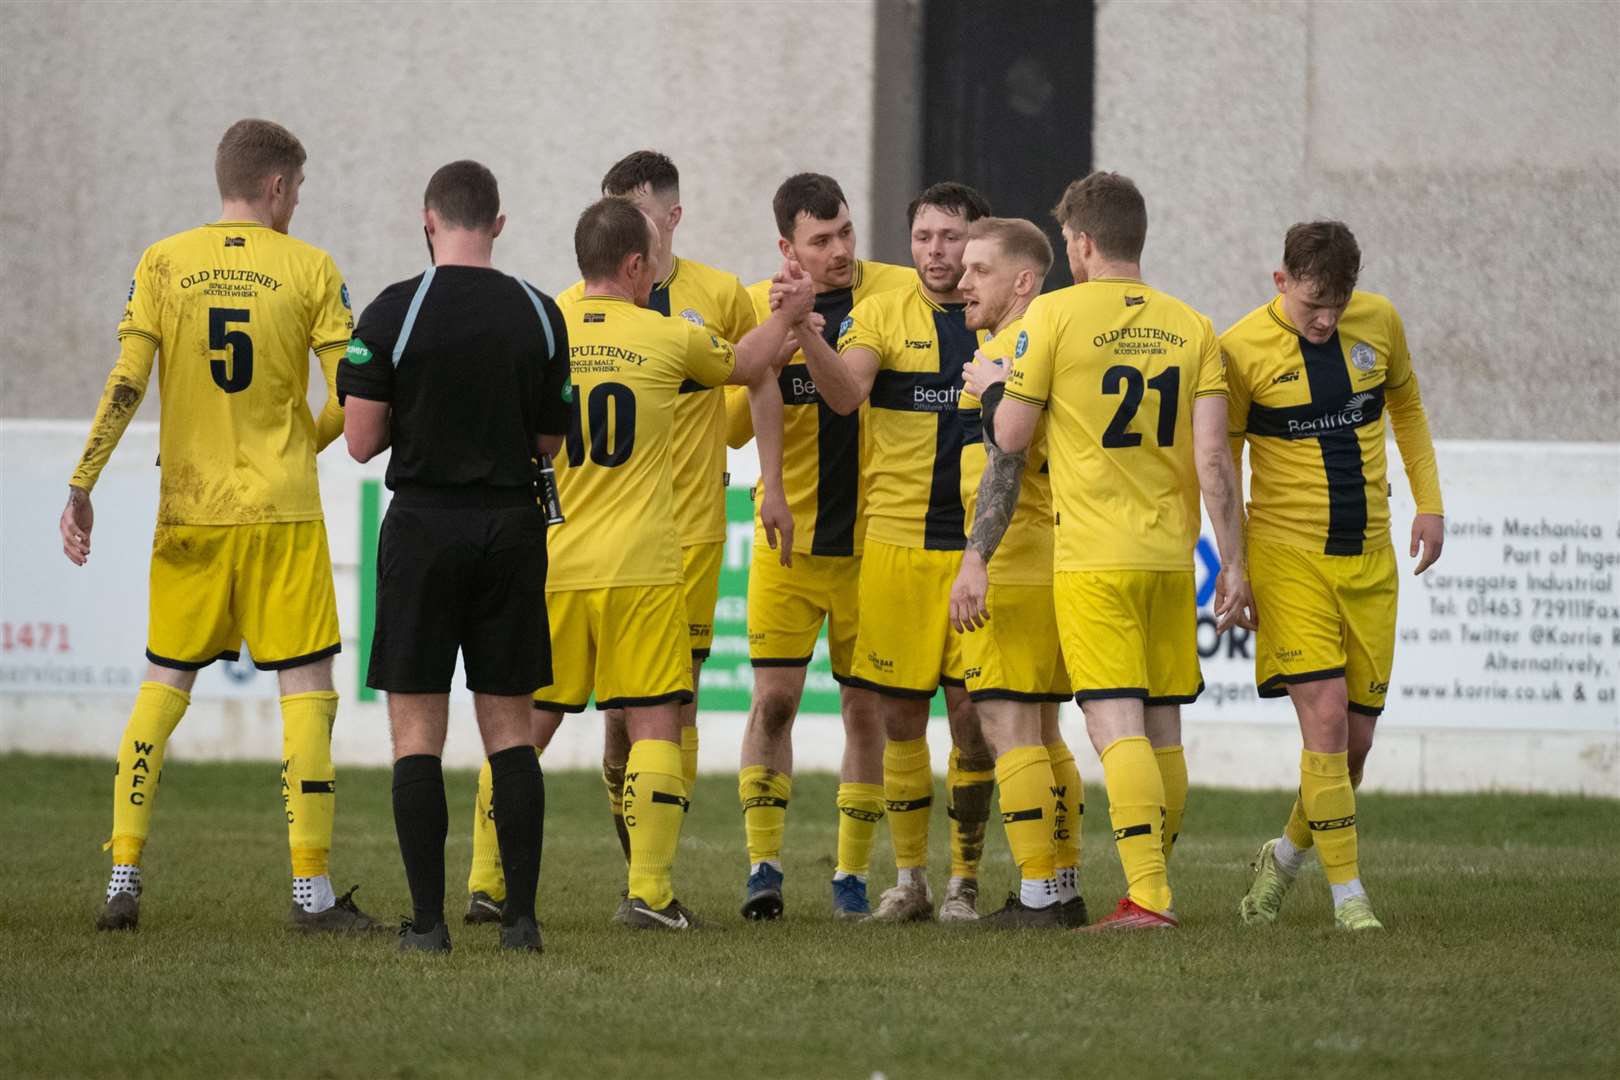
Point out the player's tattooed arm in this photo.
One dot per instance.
(998, 498)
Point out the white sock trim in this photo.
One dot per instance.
(126, 878)
(1289, 858)
(1347, 891)
(313, 894)
(1038, 892)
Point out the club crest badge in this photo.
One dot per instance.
(1362, 356)
(691, 315)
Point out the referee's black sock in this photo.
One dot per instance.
(520, 823)
(422, 821)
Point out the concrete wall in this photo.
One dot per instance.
(111, 113)
(1473, 147)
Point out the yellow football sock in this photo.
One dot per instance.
(764, 793)
(1298, 830)
(654, 808)
(613, 780)
(908, 794)
(969, 785)
(308, 779)
(158, 708)
(1330, 807)
(860, 807)
(1069, 806)
(1027, 805)
(486, 876)
(1136, 807)
(689, 755)
(1173, 773)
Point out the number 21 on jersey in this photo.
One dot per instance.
(1129, 381)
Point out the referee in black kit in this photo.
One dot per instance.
(463, 371)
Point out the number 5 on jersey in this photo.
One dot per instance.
(610, 409)
(235, 374)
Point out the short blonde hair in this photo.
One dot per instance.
(1019, 238)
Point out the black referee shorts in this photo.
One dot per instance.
(458, 570)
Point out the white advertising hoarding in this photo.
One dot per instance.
(1513, 635)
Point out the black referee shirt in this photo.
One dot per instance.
(474, 363)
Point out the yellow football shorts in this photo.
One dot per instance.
(700, 582)
(1324, 617)
(786, 606)
(1015, 655)
(215, 586)
(1130, 634)
(906, 646)
(627, 645)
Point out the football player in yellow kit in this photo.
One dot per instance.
(1131, 379)
(232, 311)
(901, 354)
(805, 568)
(715, 300)
(613, 591)
(1004, 608)
(1310, 376)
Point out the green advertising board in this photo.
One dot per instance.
(728, 678)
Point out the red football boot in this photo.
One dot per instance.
(1130, 915)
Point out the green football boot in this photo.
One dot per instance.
(1356, 914)
(1263, 902)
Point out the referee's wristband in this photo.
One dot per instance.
(988, 403)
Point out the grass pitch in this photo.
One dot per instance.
(1500, 958)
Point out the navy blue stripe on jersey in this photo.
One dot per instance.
(945, 529)
(797, 387)
(1317, 417)
(838, 443)
(411, 313)
(1341, 449)
(937, 392)
(1331, 417)
(973, 433)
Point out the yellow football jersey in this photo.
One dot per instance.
(1117, 365)
(232, 311)
(1313, 417)
(913, 468)
(714, 299)
(616, 476)
(1024, 556)
(821, 450)
(739, 418)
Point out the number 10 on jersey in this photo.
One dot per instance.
(610, 411)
